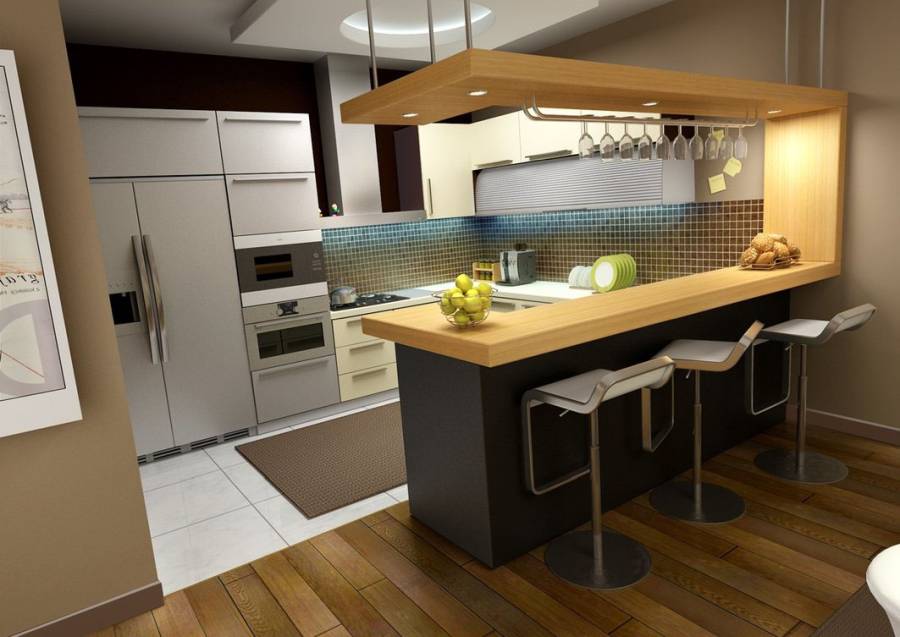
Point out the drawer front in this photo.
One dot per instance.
(353, 358)
(348, 331)
(264, 204)
(292, 389)
(265, 142)
(368, 381)
(139, 142)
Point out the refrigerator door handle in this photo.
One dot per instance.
(157, 295)
(149, 312)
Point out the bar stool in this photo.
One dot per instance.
(799, 464)
(697, 501)
(597, 558)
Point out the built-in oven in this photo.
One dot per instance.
(288, 332)
(280, 267)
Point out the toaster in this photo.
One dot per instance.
(518, 267)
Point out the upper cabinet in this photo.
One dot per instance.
(265, 142)
(542, 140)
(447, 169)
(496, 141)
(170, 142)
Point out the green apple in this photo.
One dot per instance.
(473, 292)
(475, 317)
(461, 318)
(457, 299)
(485, 302)
(464, 282)
(447, 306)
(472, 303)
(451, 292)
(484, 289)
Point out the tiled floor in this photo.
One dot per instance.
(211, 510)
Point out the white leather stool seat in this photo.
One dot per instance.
(883, 578)
(576, 392)
(795, 331)
(684, 351)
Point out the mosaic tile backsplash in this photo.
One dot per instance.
(667, 241)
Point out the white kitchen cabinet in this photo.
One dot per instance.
(291, 389)
(447, 183)
(368, 381)
(496, 141)
(542, 140)
(262, 204)
(142, 142)
(353, 358)
(265, 142)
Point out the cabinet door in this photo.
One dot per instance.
(262, 204)
(447, 170)
(185, 223)
(145, 142)
(295, 388)
(146, 392)
(265, 142)
(542, 140)
(496, 141)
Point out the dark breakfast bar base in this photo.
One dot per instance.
(461, 428)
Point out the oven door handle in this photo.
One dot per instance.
(287, 368)
(282, 323)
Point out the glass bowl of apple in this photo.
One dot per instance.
(468, 303)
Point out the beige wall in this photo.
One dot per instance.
(73, 530)
(855, 374)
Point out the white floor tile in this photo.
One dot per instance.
(171, 470)
(294, 528)
(184, 503)
(400, 494)
(203, 550)
(251, 482)
(224, 454)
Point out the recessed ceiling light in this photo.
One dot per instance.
(410, 115)
(650, 103)
(478, 93)
(774, 111)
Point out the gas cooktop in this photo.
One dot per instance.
(364, 300)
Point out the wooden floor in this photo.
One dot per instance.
(799, 553)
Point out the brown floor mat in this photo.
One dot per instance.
(335, 463)
(860, 616)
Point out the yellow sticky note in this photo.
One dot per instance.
(732, 167)
(718, 134)
(717, 183)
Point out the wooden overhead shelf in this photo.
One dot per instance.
(440, 91)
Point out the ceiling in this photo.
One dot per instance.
(304, 30)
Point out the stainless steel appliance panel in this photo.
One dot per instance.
(288, 340)
(292, 389)
(268, 262)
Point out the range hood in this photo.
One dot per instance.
(476, 79)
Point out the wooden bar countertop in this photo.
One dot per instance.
(505, 338)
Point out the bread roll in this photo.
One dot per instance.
(778, 238)
(749, 256)
(794, 249)
(763, 243)
(766, 258)
(781, 250)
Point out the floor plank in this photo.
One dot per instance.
(337, 631)
(766, 441)
(141, 626)
(236, 573)
(214, 609)
(346, 560)
(691, 535)
(739, 469)
(446, 610)
(400, 611)
(486, 603)
(351, 608)
(881, 519)
(176, 618)
(259, 609)
(802, 630)
(543, 608)
(634, 628)
(307, 612)
(401, 514)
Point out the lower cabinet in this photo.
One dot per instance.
(291, 389)
(366, 364)
(368, 381)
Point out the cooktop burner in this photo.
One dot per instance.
(364, 300)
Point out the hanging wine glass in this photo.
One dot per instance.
(726, 146)
(712, 145)
(663, 145)
(696, 146)
(680, 146)
(645, 146)
(586, 142)
(607, 145)
(741, 147)
(626, 146)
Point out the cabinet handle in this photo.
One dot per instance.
(494, 164)
(149, 311)
(262, 118)
(369, 372)
(307, 319)
(354, 321)
(194, 117)
(157, 294)
(430, 211)
(270, 178)
(287, 368)
(562, 152)
(356, 348)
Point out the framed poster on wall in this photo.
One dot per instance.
(37, 382)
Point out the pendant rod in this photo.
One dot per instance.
(535, 114)
(467, 7)
(431, 32)
(372, 44)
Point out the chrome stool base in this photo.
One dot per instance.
(815, 468)
(571, 557)
(718, 504)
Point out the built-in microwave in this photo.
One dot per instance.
(288, 332)
(279, 267)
